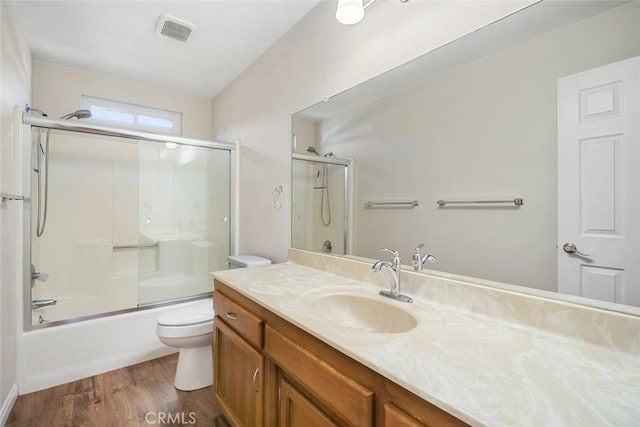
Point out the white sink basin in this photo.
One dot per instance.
(364, 314)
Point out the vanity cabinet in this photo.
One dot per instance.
(268, 372)
(238, 363)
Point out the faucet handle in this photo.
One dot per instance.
(420, 246)
(396, 257)
(395, 253)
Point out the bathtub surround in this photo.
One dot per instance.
(486, 355)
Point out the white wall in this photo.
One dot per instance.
(58, 90)
(15, 89)
(316, 59)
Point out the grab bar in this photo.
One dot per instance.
(39, 303)
(136, 246)
(411, 204)
(516, 202)
(6, 196)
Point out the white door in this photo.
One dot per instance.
(599, 183)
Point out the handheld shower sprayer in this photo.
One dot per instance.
(78, 114)
(28, 108)
(43, 194)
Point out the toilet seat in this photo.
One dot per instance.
(191, 321)
(195, 314)
(184, 331)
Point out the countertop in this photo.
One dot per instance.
(481, 369)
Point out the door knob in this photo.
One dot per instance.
(571, 248)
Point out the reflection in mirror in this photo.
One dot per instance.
(320, 203)
(488, 128)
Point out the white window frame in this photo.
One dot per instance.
(136, 112)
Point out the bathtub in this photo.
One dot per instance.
(52, 356)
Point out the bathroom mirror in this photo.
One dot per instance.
(475, 120)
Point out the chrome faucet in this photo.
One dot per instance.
(39, 303)
(418, 259)
(395, 268)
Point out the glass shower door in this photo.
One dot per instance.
(183, 221)
(128, 222)
(77, 183)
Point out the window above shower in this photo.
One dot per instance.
(130, 116)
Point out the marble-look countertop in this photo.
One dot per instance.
(481, 369)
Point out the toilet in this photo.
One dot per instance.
(191, 330)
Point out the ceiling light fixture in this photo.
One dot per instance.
(351, 12)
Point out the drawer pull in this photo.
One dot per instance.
(232, 316)
(255, 377)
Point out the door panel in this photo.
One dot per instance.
(598, 183)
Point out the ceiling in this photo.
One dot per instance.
(118, 38)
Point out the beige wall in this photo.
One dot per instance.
(15, 88)
(58, 90)
(317, 59)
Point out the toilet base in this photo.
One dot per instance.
(195, 368)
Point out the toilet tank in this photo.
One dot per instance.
(241, 261)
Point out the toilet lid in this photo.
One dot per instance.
(195, 314)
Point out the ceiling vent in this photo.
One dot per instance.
(174, 28)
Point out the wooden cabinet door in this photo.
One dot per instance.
(395, 417)
(297, 411)
(238, 378)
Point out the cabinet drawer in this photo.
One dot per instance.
(245, 323)
(347, 398)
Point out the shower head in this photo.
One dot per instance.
(312, 150)
(28, 108)
(79, 114)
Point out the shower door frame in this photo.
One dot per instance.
(348, 191)
(30, 121)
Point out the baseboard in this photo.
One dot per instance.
(7, 405)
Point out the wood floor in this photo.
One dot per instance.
(139, 395)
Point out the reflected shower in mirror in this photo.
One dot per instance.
(478, 119)
(319, 202)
